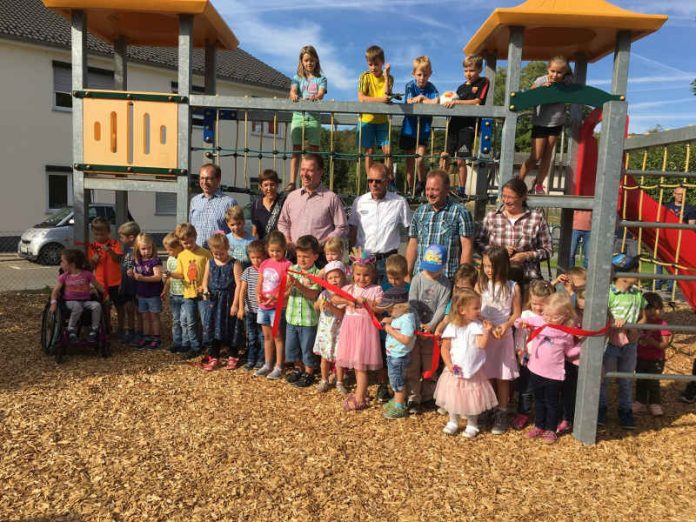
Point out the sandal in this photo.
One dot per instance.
(352, 404)
(290, 187)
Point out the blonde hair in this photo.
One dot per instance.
(129, 228)
(334, 244)
(539, 288)
(374, 53)
(311, 51)
(234, 213)
(396, 265)
(185, 230)
(171, 241)
(218, 240)
(144, 239)
(559, 303)
(562, 60)
(466, 272)
(474, 61)
(422, 62)
(464, 297)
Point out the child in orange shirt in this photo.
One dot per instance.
(105, 256)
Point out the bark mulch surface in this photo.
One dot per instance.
(144, 436)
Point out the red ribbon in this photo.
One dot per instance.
(427, 374)
(577, 332)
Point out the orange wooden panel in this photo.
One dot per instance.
(105, 132)
(152, 120)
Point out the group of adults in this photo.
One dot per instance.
(379, 217)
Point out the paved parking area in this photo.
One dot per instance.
(17, 274)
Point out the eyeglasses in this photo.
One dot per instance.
(375, 180)
(206, 179)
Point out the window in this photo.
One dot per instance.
(62, 83)
(165, 204)
(197, 115)
(59, 181)
(268, 128)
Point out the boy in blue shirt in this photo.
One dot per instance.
(418, 90)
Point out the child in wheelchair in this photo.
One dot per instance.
(75, 283)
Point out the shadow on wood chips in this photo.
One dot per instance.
(143, 436)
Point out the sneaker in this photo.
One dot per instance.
(125, 336)
(656, 410)
(323, 386)
(211, 364)
(135, 340)
(154, 344)
(259, 365)
(520, 421)
(305, 380)
(175, 349)
(397, 411)
(451, 428)
(538, 189)
(190, 354)
(142, 341)
(549, 437)
(470, 432)
(293, 376)
(232, 363)
(263, 371)
(383, 394)
(72, 336)
(92, 336)
(275, 374)
(535, 432)
(602, 416)
(626, 420)
(564, 427)
(638, 408)
(248, 366)
(500, 423)
(442, 411)
(687, 398)
(414, 408)
(341, 388)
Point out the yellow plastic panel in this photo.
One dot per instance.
(105, 128)
(149, 119)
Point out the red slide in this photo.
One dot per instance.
(668, 239)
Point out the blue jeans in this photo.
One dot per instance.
(299, 342)
(396, 370)
(659, 269)
(619, 359)
(254, 339)
(175, 304)
(584, 236)
(191, 310)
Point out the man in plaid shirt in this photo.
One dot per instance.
(208, 209)
(520, 229)
(442, 222)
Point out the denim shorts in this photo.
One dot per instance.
(150, 304)
(373, 134)
(396, 369)
(266, 317)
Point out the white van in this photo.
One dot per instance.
(44, 242)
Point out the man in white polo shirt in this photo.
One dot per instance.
(377, 218)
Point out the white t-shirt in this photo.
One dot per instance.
(464, 352)
(379, 222)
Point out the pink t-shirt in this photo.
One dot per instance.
(650, 353)
(582, 220)
(273, 273)
(76, 286)
(549, 351)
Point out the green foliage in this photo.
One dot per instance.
(693, 86)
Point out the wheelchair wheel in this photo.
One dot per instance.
(50, 329)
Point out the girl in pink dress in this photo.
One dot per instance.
(501, 305)
(358, 341)
(463, 389)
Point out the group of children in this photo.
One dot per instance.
(376, 86)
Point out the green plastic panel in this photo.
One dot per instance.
(579, 94)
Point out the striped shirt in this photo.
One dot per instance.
(208, 215)
(300, 310)
(626, 304)
(251, 276)
(442, 227)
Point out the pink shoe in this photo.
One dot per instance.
(656, 410)
(549, 437)
(535, 432)
(563, 427)
(638, 408)
(211, 364)
(539, 189)
(232, 363)
(520, 421)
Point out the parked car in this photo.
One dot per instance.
(44, 242)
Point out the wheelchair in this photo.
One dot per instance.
(54, 330)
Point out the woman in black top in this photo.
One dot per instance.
(265, 210)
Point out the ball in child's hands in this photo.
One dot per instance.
(447, 97)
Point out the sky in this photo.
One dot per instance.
(662, 65)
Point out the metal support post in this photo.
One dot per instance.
(573, 141)
(512, 83)
(121, 84)
(601, 244)
(491, 64)
(79, 81)
(184, 120)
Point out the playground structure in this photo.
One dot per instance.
(142, 141)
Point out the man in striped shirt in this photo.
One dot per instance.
(208, 209)
(442, 222)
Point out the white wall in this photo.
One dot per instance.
(33, 134)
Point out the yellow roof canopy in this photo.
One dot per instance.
(150, 22)
(561, 27)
